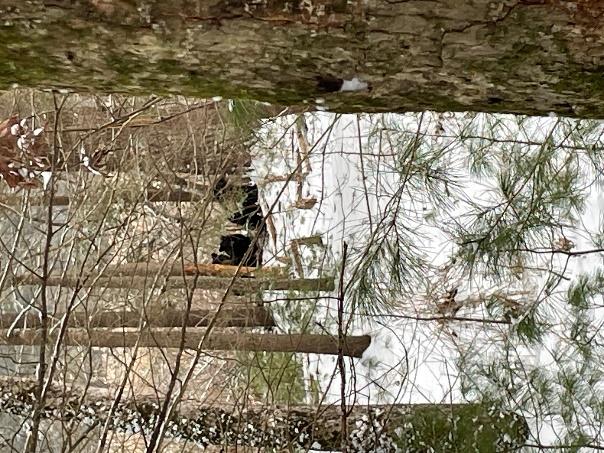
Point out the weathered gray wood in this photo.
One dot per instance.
(240, 285)
(530, 56)
(178, 269)
(353, 346)
(65, 200)
(241, 316)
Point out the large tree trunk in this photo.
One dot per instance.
(520, 56)
(437, 428)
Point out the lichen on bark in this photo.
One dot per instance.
(409, 428)
(517, 56)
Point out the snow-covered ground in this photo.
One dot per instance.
(406, 362)
(409, 361)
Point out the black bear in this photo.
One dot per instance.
(220, 188)
(250, 213)
(235, 246)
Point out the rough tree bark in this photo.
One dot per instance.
(437, 428)
(519, 56)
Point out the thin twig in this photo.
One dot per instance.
(341, 364)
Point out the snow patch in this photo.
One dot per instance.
(355, 84)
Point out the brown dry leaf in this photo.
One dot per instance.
(305, 203)
(6, 125)
(21, 148)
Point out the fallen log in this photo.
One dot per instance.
(208, 270)
(154, 196)
(240, 285)
(352, 346)
(241, 316)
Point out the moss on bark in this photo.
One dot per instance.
(517, 57)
